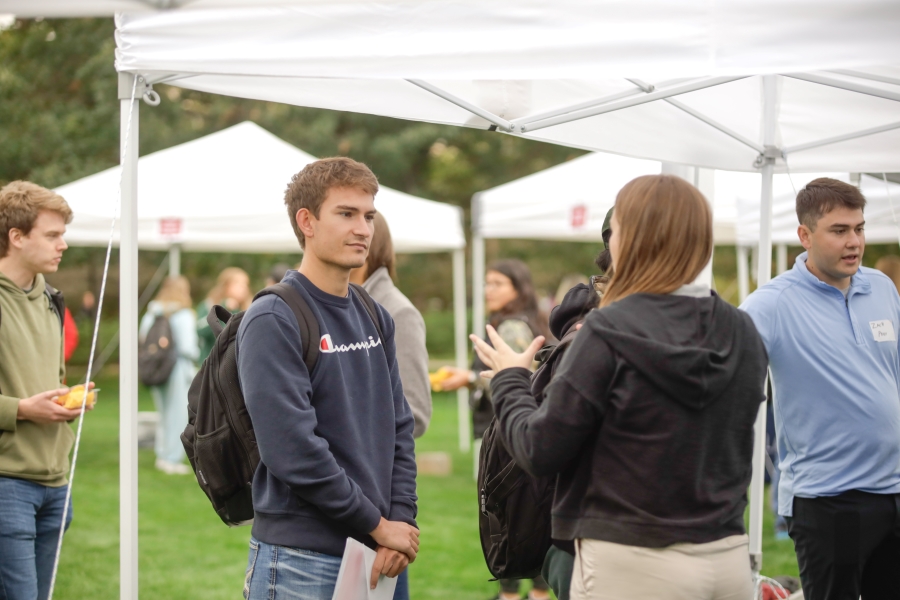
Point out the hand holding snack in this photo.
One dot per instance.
(75, 396)
(438, 377)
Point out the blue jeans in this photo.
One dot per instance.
(401, 592)
(30, 516)
(279, 573)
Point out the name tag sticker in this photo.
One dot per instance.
(883, 331)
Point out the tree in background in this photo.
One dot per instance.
(59, 121)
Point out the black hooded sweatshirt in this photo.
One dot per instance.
(649, 422)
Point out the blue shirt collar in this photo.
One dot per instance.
(859, 283)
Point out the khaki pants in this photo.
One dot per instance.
(717, 570)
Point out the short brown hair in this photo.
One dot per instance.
(309, 188)
(20, 204)
(822, 195)
(381, 249)
(665, 237)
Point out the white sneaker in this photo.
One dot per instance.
(170, 468)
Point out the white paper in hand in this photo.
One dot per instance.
(353, 577)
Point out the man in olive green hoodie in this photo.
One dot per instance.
(35, 436)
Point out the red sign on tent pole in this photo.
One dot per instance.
(170, 227)
(579, 216)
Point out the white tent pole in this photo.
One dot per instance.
(460, 331)
(757, 484)
(453, 99)
(743, 273)
(629, 102)
(781, 258)
(714, 124)
(869, 76)
(845, 85)
(128, 330)
(841, 138)
(174, 260)
(478, 267)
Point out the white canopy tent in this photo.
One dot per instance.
(569, 202)
(223, 192)
(499, 65)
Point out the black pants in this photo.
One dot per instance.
(511, 586)
(848, 546)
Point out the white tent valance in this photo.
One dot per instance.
(224, 192)
(567, 202)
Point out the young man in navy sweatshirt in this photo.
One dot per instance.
(336, 445)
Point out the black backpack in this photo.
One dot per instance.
(219, 439)
(514, 511)
(157, 353)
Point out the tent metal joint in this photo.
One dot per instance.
(768, 156)
(755, 562)
(143, 89)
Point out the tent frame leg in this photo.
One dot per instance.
(461, 342)
(174, 260)
(764, 274)
(128, 331)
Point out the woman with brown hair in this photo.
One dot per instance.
(232, 290)
(649, 419)
(173, 301)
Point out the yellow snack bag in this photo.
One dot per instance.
(75, 395)
(438, 377)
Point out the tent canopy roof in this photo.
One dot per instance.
(224, 192)
(562, 72)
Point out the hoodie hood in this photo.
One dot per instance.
(576, 303)
(35, 293)
(689, 348)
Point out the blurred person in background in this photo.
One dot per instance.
(232, 290)
(565, 284)
(174, 302)
(70, 334)
(513, 312)
(35, 436)
(649, 418)
(88, 306)
(890, 266)
(377, 277)
(276, 273)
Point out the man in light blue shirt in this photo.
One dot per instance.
(830, 328)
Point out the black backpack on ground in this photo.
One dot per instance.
(157, 353)
(514, 511)
(219, 439)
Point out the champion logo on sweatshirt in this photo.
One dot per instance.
(327, 346)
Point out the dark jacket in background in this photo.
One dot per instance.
(649, 422)
(480, 401)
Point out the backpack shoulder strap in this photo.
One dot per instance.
(57, 302)
(363, 295)
(306, 320)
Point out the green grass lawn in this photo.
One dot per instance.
(186, 552)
